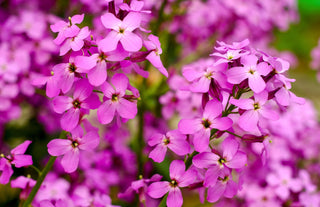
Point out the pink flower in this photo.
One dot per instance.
(173, 140)
(251, 71)
(255, 109)
(71, 108)
(76, 42)
(230, 158)
(65, 74)
(202, 76)
(58, 203)
(179, 178)
(116, 101)
(97, 64)
(25, 183)
(16, 158)
(32, 23)
(229, 55)
(67, 29)
(70, 148)
(135, 6)
(283, 181)
(140, 187)
(201, 127)
(121, 31)
(224, 186)
(51, 81)
(154, 56)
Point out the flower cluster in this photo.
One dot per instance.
(242, 92)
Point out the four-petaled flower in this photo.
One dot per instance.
(16, 158)
(179, 179)
(121, 31)
(70, 148)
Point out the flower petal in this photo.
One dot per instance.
(215, 192)
(158, 153)
(98, 74)
(61, 104)
(89, 141)
(21, 148)
(70, 161)
(212, 109)
(127, 109)
(110, 42)
(174, 198)
(70, 119)
(205, 160)
(158, 189)
(189, 126)
(131, 42)
(110, 21)
(106, 112)
(176, 169)
(59, 147)
(22, 160)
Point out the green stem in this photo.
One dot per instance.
(188, 162)
(140, 138)
(42, 176)
(36, 169)
(163, 202)
(97, 91)
(233, 134)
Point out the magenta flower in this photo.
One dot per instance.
(58, 203)
(51, 81)
(230, 158)
(202, 77)
(25, 183)
(201, 127)
(116, 101)
(255, 109)
(229, 55)
(97, 64)
(179, 178)
(70, 148)
(16, 158)
(251, 71)
(135, 6)
(32, 23)
(9, 70)
(66, 74)
(282, 180)
(224, 186)
(7, 93)
(154, 56)
(71, 108)
(75, 43)
(121, 31)
(67, 29)
(173, 140)
(140, 187)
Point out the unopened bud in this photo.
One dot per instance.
(139, 56)
(253, 138)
